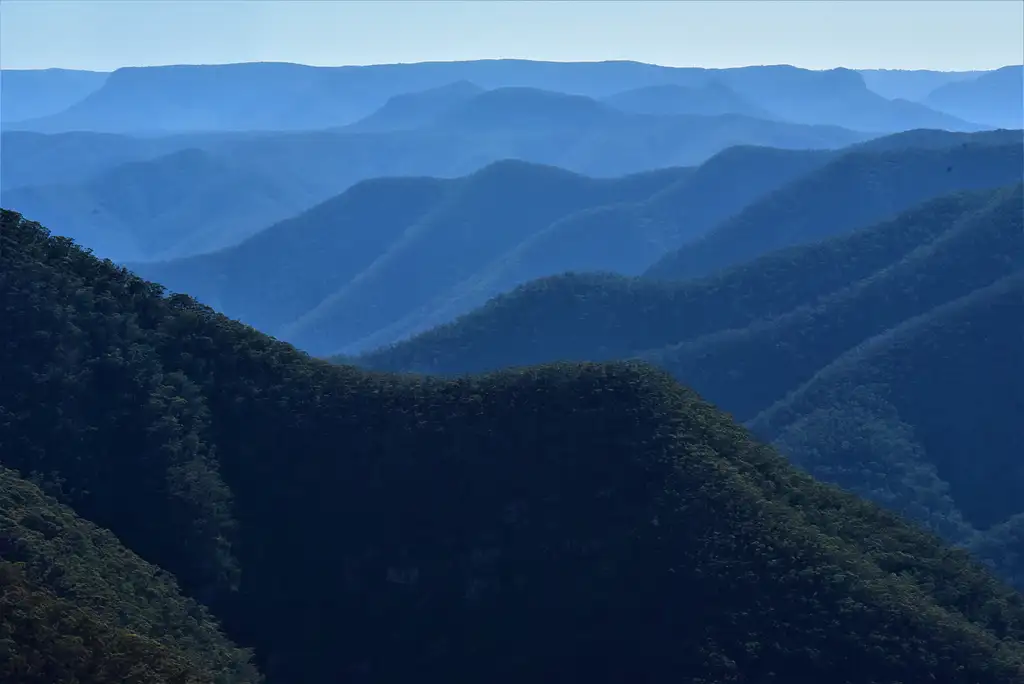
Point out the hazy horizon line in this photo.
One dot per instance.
(510, 59)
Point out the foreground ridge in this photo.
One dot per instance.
(580, 522)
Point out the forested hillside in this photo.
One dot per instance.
(364, 527)
(904, 375)
(77, 606)
(327, 278)
(327, 284)
(852, 192)
(624, 237)
(609, 316)
(749, 368)
(752, 335)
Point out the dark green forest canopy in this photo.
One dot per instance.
(367, 527)
(76, 606)
(750, 338)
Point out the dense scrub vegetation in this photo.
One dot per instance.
(77, 606)
(749, 368)
(375, 528)
(910, 369)
(752, 335)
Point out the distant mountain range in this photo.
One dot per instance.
(106, 190)
(911, 84)
(417, 109)
(123, 162)
(709, 99)
(184, 202)
(325, 283)
(995, 98)
(274, 96)
(33, 93)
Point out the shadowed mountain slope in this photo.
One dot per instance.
(325, 279)
(852, 192)
(624, 238)
(414, 110)
(77, 606)
(325, 283)
(932, 138)
(750, 336)
(747, 369)
(604, 316)
(388, 528)
(313, 279)
(963, 344)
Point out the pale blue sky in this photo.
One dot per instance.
(817, 34)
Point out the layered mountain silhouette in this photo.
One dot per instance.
(182, 203)
(836, 96)
(87, 184)
(378, 528)
(34, 93)
(415, 110)
(995, 98)
(710, 99)
(325, 283)
(350, 290)
(324, 267)
(528, 110)
(868, 185)
(274, 96)
(282, 138)
(624, 237)
(32, 159)
(910, 84)
(483, 128)
(794, 341)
